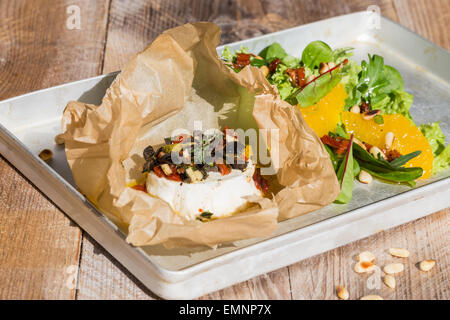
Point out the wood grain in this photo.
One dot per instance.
(39, 252)
(426, 238)
(34, 42)
(429, 18)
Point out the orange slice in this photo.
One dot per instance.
(324, 116)
(408, 138)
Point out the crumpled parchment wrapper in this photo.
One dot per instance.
(147, 100)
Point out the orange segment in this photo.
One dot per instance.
(408, 138)
(324, 116)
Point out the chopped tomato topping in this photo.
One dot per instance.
(174, 177)
(260, 182)
(140, 187)
(224, 169)
(158, 172)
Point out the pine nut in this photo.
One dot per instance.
(388, 140)
(359, 143)
(342, 292)
(393, 268)
(371, 297)
(369, 115)
(389, 281)
(59, 139)
(365, 177)
(375, 151)
(331, 65)
(364, 266)
(265, 70)
(427, 265)
(398, 252)
(46, 155)
(366, 256)
(355, 109)
(323, 67)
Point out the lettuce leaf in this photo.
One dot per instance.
(442, 161)
(315, 53)
(436, 138)
(281, 79)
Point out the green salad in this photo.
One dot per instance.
(375, 101)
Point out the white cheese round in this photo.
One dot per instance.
(220, 195)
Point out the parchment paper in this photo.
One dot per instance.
(160, 89)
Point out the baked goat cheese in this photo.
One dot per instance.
(217, 194)
(201, 187)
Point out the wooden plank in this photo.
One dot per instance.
(133, 25)
(426, 238)
(39, 245)
(429, 18)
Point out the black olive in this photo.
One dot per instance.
(148, 165)
(148, 152)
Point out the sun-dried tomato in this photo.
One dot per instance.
(242, 60)
(340, 144)
(297, 76)
(273, 65)
(392, 155)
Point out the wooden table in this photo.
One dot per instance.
(44, 255)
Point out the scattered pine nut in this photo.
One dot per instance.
(342, 293)
(364, 267)
(398, 252)
(365, 256)
(427, 265)
(365, 177)
(393, 268)
(59, 139)
(331, 65)
(389, 140)
(371, 297)
(389, 280)
(46, 155)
